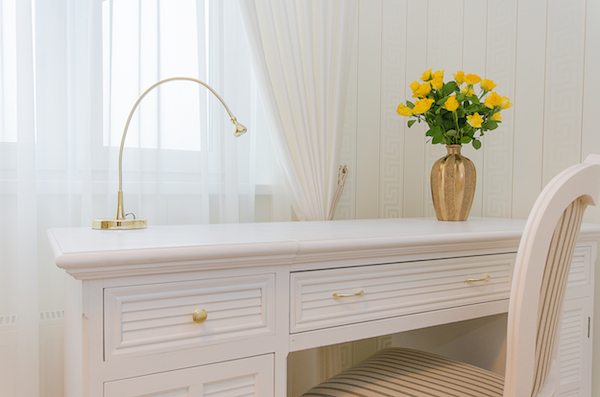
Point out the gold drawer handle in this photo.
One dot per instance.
(359, 293)
(474, 280)
(199, 316)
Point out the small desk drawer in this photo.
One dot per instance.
(147, 319)
(396, 289)
(244, 377)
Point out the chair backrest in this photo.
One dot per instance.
(540, 277)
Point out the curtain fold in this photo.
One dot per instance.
(302, 55)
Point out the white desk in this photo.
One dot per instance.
(268, 290)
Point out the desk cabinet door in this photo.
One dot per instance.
(250, 377)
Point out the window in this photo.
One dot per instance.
(145, 41)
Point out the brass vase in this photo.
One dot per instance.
(453, 185)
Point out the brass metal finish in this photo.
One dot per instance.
(453, 185)
(120, 222)
(474, 280)
(200, 316)
(359, 293)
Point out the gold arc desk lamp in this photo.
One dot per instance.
(120, 222)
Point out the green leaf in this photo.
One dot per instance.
(472, 108)
(411, 122)
(475, 99)
(429, 132)
(442, 101)
(476, 143)
(490, 125)
(449, 88)
(465, 139)
(436, 139)
(451, 133)
(410, 104)
(460, 97)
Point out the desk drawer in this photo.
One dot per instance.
(395, 289)
(147, 319)
(245, 377)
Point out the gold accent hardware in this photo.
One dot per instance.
(359, 293)
(474, 280)
(120, 222)
(589, 325)
(199, 316)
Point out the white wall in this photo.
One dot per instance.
(543, 54)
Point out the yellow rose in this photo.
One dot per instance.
(414, 86)
(468, 90)
(459, 77)
(471, 79)
(422, 105)
(474, 120)
(438, 74)
(496, 116)
(493, 100)
(426, 75)
(404, 110)
(487, 85)
(451, 103)
(437, 83)
(422, 91)
(505, 103)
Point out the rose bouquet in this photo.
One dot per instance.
(454, 112)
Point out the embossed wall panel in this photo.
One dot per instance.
(393, 73)
(474, 53)
(415, 174)
(564, 86)
(528, 111)
(591, 88)
(497, 146)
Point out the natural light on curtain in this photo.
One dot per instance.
(69, 73)
(147, 41)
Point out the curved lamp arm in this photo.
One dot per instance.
(120, 222)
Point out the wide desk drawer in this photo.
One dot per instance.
(141, 320)
(328, 298)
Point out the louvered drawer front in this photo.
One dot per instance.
(149, 319)
(250, 377)
(395, 289)
(574, 349)
(580, 276)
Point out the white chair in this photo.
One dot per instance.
(537, 294)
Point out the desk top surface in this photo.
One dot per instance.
(285, 242)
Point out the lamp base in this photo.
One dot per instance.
(118, 224)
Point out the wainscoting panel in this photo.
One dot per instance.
(473, 61)
(393, 70)
(564, 86)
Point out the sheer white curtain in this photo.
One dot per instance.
(180, 151)
(58, 155)
(302, 55)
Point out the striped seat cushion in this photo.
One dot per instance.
(395, 372)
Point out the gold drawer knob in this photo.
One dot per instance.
(359, 293)
(474, 280)
(199, 316)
